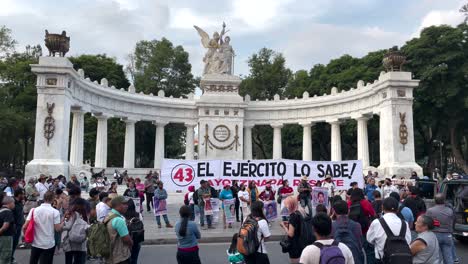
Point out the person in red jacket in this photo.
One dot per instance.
(268, 194)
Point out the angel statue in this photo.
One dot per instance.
(219, 56)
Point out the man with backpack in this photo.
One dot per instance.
(347, 231)
(390, 236)
(120, 239)
(325, 249)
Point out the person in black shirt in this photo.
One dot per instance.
(19, 219)
(377, 203)
(7, 229)
(235, 190)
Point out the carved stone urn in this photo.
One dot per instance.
(57, 43)
(393, 60)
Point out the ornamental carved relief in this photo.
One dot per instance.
(220, 88)
(49, 123)
(222, 134)
(403, 130)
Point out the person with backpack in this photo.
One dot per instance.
(187, 238)
(234, 256)
(390, 236)
(347, 231)
(253, 234)
(45, 220)
(76, 224)
(120, 239)
(136, 230)
(325, 249)
(295, 234)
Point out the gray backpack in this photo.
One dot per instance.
(77, 233)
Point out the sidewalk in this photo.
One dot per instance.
(156, 236)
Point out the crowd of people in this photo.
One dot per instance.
(376, 223)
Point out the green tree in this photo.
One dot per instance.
(159, 65)
(97, 67)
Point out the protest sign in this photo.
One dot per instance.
(271, 211)
(160, 207)
(230, 210)
(179, 174)
(319, 196)
(208, 207)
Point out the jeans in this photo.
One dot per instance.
(306, 201)
(75, 257)
(16, 238)
(135, 252)
(446, 246)
(158, 220)
(202, 217)
(5, 249)
(149, 200)
(188, 257)
(42, 256)
(192, 209)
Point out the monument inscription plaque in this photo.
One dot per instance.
(221, 133)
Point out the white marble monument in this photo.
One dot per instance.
(224, 119)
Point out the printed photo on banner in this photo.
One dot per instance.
(215, 204)
(208, 206)
(160, 207)
(319, 196)
(284, 212)
(230, 210)
(270, 208)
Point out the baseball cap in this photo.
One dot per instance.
(119, 200)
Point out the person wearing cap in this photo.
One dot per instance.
(226, 194)
(330, 185)
(305, 190)
(41, 187)
(376, 234)
(161, 194)
(7, 229)
(388, 188)
(121, 242)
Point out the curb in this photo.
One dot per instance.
(173, 241)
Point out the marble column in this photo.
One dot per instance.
(159, 144)
(248, 141)
(100, 160)
(189, 137)
(335, 140)
(129, 149)
(307, 141)
(363, 142)
(277, 149)
(76, 146)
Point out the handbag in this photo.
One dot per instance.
(29, 233)
(285, 244)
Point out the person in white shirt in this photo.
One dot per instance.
(322, 229)
(46, 223)
(260, 257)
(103, 207)
(328, 183)
(41, 187)
(243, 201)
(388, 188)
(376, 234)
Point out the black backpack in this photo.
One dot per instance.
(195, 197)
(356, 213)
(136, 229)
(344, 235)
(396, 249)
(307, 236)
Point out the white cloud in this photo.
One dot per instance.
(440, 17)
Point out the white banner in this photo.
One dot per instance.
(179, 174)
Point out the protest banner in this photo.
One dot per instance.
(271, 211)
(230, 210)
(208, 207)
(160, 207)
(319, 196)
(179, 174)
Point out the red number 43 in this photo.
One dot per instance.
(179, 175)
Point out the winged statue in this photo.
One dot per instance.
(218, 58)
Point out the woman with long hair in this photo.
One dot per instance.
(187, 233)
(113, 188)
(292, 228)
(234, 257)
(77, 215)
(132, 217)
(260, 257)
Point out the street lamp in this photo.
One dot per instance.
(441, 144)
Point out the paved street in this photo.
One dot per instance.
(209, 253)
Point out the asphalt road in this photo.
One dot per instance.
(209, 254)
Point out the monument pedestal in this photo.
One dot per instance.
(221, 117)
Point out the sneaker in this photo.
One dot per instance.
(211, 227)
(169, 226)
(204, 228)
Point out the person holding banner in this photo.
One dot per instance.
(305, 190)
(243, 202)
(224, 196)
(160, 196)
(204, 193)
(268, 194)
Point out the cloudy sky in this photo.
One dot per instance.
(307, 32)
